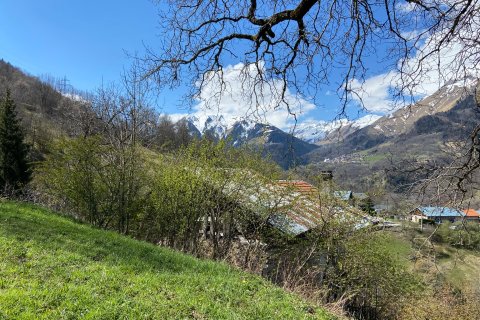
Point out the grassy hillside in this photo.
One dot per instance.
(54, 268)
(459, 267)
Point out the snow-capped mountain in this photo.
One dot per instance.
(214, 126)
(243, 131)
(443, 100)
(282, 147)
(315, 131)
(424, 130)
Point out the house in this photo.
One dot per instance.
(297, 209)
(345, 195)
(290, 206)
(298, 186)
(436, 214)
(472, 215)
(357, 199)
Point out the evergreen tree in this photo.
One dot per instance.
(368, 207)
(14, 168)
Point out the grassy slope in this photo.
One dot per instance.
(54, 268)
(460, 267)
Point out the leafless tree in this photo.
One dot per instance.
(301, 43)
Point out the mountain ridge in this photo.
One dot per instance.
(428, 131)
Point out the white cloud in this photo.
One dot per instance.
(373, 93)
(177, 116)
(429, 69)
(405, 6)
(423, 74)
(414, 35)
(245, 94)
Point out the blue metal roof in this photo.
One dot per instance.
(343, 195)
(441, 212)
(287, 225)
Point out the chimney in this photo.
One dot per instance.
(326, 175)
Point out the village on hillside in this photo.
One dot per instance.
(296, 207)
(304, 212)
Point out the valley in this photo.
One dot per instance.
(308, 212)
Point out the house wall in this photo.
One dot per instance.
(417, 217)
(472, 219)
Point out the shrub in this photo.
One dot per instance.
(97, 182)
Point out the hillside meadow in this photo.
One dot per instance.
(55, 268)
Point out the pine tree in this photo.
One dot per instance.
(14, 167)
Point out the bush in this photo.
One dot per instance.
(461, 235)
(373, 276)
(443, 304)
(198, 194)
(97, 182)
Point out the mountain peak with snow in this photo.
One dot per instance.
(311, 131)
(214, 126)
(441, 101)
(316, 131)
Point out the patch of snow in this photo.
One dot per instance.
(247, 128)
(313, 131)
(74, 97)
(366, 120)
(216, 125)
(468, 82)
(248, 125)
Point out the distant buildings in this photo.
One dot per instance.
(471, 214)
(442, 214)
(300, 209)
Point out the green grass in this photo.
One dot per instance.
(401, 248)
(54, 268)
(372, 158)
(461, 267)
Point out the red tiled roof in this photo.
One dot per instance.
(300, 207)
(298, 185)
(471, 213)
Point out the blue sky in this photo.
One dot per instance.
(86, 41)
(82, 40)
